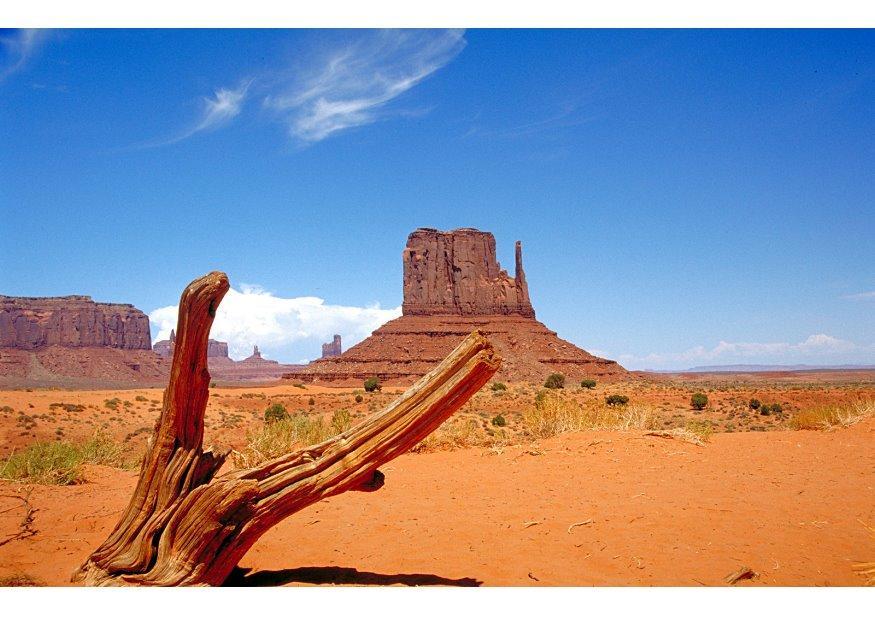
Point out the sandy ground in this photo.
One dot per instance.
(650, 511)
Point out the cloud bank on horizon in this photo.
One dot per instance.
(817, 349)
(345, 88)
(283, 328)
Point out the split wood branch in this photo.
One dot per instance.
(184, 526)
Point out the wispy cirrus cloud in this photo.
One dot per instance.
(348, 86)
(816, 349)
(868, 295)
(351, 86)
(18, 47)
(216, 111)
(284, 328)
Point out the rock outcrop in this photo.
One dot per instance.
(457, 272)
(453, 285)
(215, 348)
(31, 323)
(74, 341)
(333, 348)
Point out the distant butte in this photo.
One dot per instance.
(74, 340)
(223, 368)
(452, 285)
(333, 348)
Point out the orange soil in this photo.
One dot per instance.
(651, 511)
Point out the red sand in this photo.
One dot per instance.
(663, 512)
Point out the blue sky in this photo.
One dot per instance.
(683, 197)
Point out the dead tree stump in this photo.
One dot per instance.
(185, 527)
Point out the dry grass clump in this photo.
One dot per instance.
(60, 462)
(452, 434)
(830, 417)
(553, 414)
(696, 432)
(278, 437)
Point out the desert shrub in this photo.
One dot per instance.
(311, 401)
(499, 420)
(555, 381)
(754, 404)
(829, 417)
(341, 420)
(112, 403)
(58, 462)
(699, 401)
(68, 407)
(701, 429)
(589, 384)
(359, 398)
(764, 410)
(553, 414)
(6, 409)
(453, 433)
(615, 400)
(776, 408)
(140, 398)
(498, 386)
(212, 384)
(281, 437)
(372, 385)
(275, 412)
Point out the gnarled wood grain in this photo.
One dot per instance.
(185, 527)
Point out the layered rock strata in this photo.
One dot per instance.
(32, 323)
(453, 285)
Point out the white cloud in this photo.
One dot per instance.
(19, 47)
(861, 296)
(285, 329)
(350, 86)
(223, 106)
(816, 349)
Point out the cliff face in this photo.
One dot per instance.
(456, 272)
(453, 285)
(31, 323)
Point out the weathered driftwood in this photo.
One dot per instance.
(185, 527)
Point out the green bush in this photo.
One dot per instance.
(372, 385)
(499, 420)
(555, 381)
(615, 400)
(764, 410)
(498, 386)
(754, 404)
(699, 401)
(275, 412)
(588, 384)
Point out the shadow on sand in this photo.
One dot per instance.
(339, 575)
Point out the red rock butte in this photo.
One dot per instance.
(74, 340)
(453, 284)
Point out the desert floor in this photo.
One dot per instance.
(584, 508)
